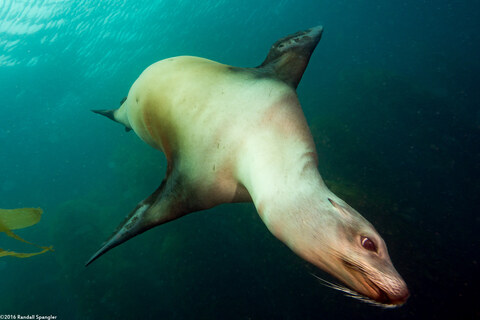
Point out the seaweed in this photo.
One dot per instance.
(12, 219)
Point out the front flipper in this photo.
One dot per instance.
(167, 203)
(289, 56)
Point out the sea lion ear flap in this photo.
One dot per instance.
(343, 211)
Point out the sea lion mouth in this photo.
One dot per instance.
(376, 294)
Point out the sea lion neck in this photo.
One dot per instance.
(284, 197)
(278, 162)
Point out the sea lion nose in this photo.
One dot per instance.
(400, 297)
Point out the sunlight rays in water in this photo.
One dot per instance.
(37, 32)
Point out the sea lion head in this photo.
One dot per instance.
(346, 245)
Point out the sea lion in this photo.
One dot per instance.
(239, 134)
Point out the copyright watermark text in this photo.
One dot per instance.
(27, 317)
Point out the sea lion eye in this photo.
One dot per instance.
(368, 244)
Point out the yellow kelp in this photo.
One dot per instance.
(12, 219)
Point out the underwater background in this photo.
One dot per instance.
(392, 98)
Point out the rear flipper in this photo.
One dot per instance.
(113, 114)
(167, 203)
(110, 113)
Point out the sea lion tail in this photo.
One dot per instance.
(289, 56)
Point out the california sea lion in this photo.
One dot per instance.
(239, 134)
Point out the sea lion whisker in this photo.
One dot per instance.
(367, 300)
(332, 285)
(352, 294)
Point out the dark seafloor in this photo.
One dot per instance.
(392, 97)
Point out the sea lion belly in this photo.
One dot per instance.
(198, 112)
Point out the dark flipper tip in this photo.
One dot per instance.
(133, 225)
(98, 254)
(289, 56)
(116, 240)
(111, 115)
(93, 258)
(107, 113)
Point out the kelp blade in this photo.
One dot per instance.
(4, 253)
(12, 219)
